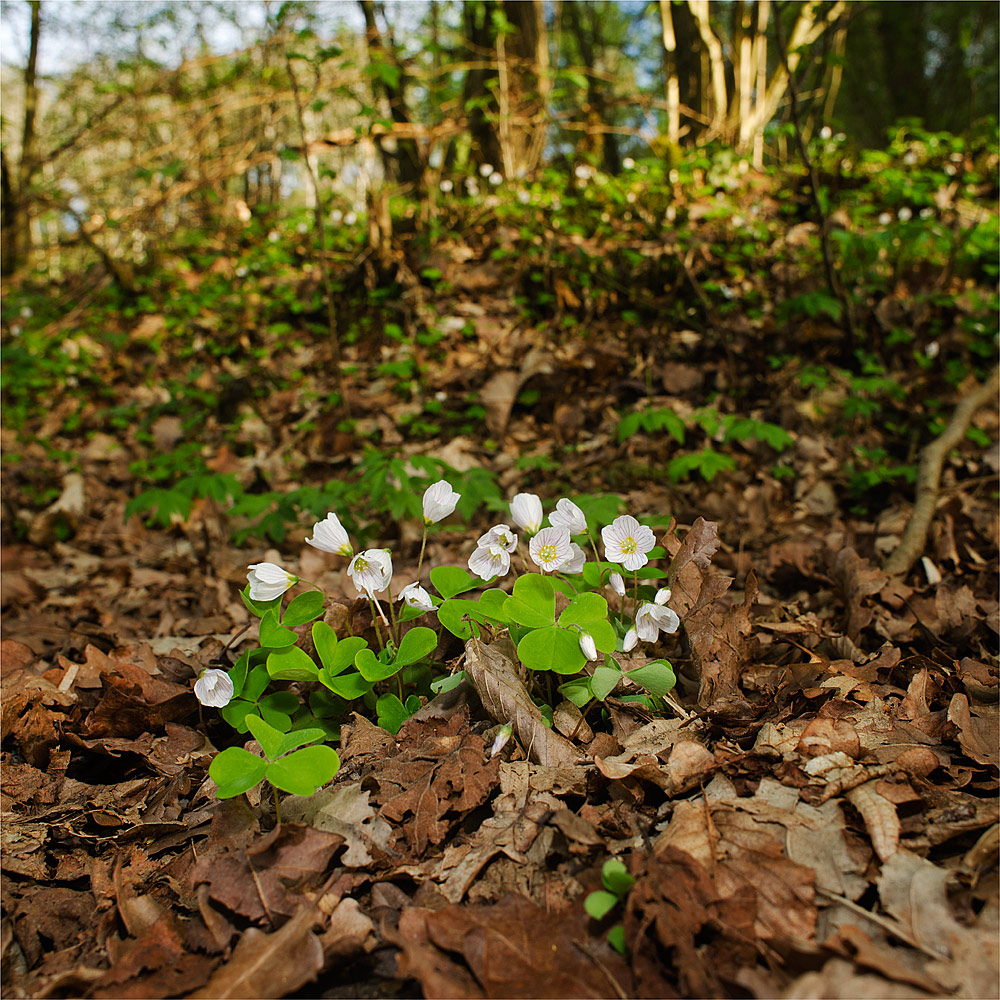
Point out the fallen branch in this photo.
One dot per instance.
(929, 477)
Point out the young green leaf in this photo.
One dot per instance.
(269, 738)
(616, 938)
(491, 604)
(656, 677)
(600, 903)
(374, 668)
(577, 691)
(552, 648)
(273, 635)
(392, 713)
(348, 686)
(304, 771)
(450, 581)
(533, 601)
(235, 771)
(616, 878)
(291, 664)
(604, 681)
(452, 613)
(303, 608)
(415, 645)
(336, 656)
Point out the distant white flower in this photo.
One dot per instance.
(884, 219)
(662, 595)
(273, 236)
(414, 596)
(550, 549)
(350, 218)
(371, 571)
(447, 186)
(499, 534)
(628, 163)
(336, 216)
(302, 228)
(630, 641)
(241, 271)
(214, 688)
(905, 214)
(652, 619)
(496, 178)
(489, 561)
(524, 197)
(472, 186)
(932, 350)
(617, 584)
(439, 501)
(504, 733)
(268, 581)
(927, 213)
(587, 646)
(576, 559)
(825, 132)
(485, 169)
(626, 541)
(526, 512)
(329, 536)
(568, 515)
(26, 312)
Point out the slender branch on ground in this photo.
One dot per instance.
(914, 539)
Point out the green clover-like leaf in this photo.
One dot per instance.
(552, 648)
(415, 645)
(532, 602)
(616, 878)
(291, 664)
(304, 771)
(272, 634)
(450, 581)
(303, 608)
(600, 903)
(235, 771)
(374, 668)
(656, 677)
(336, 656)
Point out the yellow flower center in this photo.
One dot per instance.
(547, 553)
(361, 565)
(629, 546)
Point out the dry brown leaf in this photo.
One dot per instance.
(879, 814)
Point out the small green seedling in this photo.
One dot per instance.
(617, 883)
(285, 766)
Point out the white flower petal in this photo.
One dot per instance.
(576, 560)
(587, 646)
(550, 549)
(214, 688)
(268, 581)
(501, 535)
(489, 561)
(414, 596)
(371, 571)
(330, 536)
(526, 511)
(439, 501)
(662, 595)
(617, 584)
(626, 541)
(630, 641)
(568, 515)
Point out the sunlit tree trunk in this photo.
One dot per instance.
(718, 108)
(671, 79)
(15, 197)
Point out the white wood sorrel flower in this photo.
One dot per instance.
(577, 557)
(371, 571)
(568, 515)
(499, 534)
(268, 581)
(630, 641)
(626, 541)
(414, 596)
(214, 688)
(439, 501)
(617, 584)
(526, 512)
(550, 549)
(330, 536)
(652, 619)
(587, 646)
(490, 560)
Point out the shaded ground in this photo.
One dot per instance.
(816, 815)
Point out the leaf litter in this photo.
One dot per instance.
(816, 815)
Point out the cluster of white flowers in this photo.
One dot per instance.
(650, 620)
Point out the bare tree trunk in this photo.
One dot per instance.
(15, 208)
(716, 65)
(673, 86)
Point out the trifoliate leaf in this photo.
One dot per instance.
(656, 677)
(533, 601)
(303, 608)
(415, 645)
(291, 664)
(274, 635)
(302, 772)
(269, 738)
(616, 878)
(348, 686)
(374, 668)
(552, 648)
(235, 771)
(450, 581)
(336, 656)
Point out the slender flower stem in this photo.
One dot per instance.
(392, 614)
(423, 543)
(378, 631)
(635, 588)
(593, 545)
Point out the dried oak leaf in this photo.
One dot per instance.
(857, 579)
(134, 702)
(686, 938)
(440, 770)
(270, 965)
(273, 875)
(513, 949)
(492, 670)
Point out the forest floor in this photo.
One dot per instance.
(817, 818)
